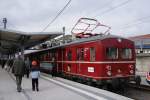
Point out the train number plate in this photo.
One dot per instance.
(90, 69)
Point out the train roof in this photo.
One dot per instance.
(93, 38)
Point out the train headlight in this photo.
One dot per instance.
(131, 66)
(108, 70)
(109, 73)
(131, 69)
(131, 72)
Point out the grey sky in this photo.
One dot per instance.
(34, 15)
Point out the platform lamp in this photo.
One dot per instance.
(64, 34)
(5, 22)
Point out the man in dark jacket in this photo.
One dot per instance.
(3, 63)
(18, 70)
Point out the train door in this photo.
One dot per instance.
(54, 61)
(69, 59)
(60, 60)
(56, 54)
(80, 59)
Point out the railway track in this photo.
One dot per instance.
(137, 92)
(140, 87)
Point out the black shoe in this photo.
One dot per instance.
(37, 89)
(19, 90)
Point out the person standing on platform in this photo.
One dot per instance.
(18, 68)
(35, 73)
(3, 63)
(28, 66)
(53, 70)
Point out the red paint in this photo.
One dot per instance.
(80, 67)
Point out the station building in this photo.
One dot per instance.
(142, 45)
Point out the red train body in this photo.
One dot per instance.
(100, 59)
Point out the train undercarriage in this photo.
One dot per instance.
(113, 83)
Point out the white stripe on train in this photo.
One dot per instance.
(97, 62)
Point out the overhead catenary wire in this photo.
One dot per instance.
(128, 27)
(113, 8)
(60, 12)
(102, 7)
(135, 22)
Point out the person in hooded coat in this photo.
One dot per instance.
(18, 68)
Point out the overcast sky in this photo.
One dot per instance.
(131, 18)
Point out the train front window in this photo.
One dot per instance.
(126, 53)
(112, 53)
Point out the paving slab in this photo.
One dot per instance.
(51, 89)
(8, 88)
(48, 90)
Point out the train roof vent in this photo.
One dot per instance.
(87, 27)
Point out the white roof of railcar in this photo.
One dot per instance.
(93, 38)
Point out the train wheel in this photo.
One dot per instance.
(110, 87)
(74, 79)
(79, 80)
(104, 87)
(89, 83)
(115, 83)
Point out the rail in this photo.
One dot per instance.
(141, 87)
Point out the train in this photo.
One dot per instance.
(99, 59)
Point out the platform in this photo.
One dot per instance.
(143, 78)
(51, 89)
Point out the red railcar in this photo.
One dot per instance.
(97, 59)
(100, 59)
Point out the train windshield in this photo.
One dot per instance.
(112, 53)
(126, 53)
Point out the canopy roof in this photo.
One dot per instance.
(11, 41)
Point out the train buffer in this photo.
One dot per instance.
(51, 89)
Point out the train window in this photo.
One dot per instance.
(92, 54)
(112, 53)
(69, 55)
(80, 54)
(126, 53)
